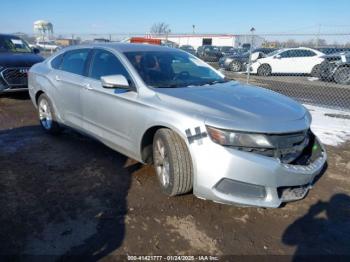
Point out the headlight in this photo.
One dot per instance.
(238, 139)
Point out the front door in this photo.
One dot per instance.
(109, 113)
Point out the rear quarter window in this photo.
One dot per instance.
(57, 61)
(75, 61)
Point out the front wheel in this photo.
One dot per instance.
(172, 163)
(342, 76)
(264, 70)
(47, 115)
(235, 66)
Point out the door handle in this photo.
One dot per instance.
(57, 78)
(87, 86)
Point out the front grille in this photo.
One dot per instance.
(15, 77)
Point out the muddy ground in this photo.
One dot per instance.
(71, 195)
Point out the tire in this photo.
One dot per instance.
(264, 70)
(316, 70)
(235, 66)
(342, 76)
(47, 116)
(172, 163)
(325, 72)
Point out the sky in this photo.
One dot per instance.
(209, 16)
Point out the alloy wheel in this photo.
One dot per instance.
(161, 163)
(45, 114)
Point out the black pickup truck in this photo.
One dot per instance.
(16, 58)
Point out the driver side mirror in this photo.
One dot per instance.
(115, 81)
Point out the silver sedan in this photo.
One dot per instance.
(227, 142)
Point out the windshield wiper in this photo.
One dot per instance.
(215, 82)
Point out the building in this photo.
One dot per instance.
(66, 41)
(197, 40)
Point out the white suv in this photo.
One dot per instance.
(48, 45)
(300, 60)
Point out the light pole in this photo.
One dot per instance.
(193, 29)
(252, 30)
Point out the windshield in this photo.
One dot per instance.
(274, 53)
(212, 48)
(187, 47)
(13, 45)
(172, 69)
(226, 49)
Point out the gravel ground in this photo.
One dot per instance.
(70, 195)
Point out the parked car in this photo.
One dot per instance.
(332, 50)
(229, 142)
(188, 49)
(238, 62)
(209, 53)
(48, 46)
(300, 60)
(16, 57)
(336, 67)
(229, 50)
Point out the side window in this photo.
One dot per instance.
(75, 61)
(308, 53)
(57, 61)
(105, 63)
(286, 54)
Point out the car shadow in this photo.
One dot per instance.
(324, 223)
(23, 95)
(61, 197)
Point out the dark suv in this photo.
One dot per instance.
(238, 62)
(188, 49)
(209, 53)
(16, 57)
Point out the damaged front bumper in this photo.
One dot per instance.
(227, 175)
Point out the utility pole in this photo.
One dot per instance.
(252, 30)
(193, 29)
(318, 35)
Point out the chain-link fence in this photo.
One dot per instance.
(312, 68)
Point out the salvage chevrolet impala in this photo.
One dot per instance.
(228, 142)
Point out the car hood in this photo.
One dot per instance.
(19, 59)
(238, 56)
(241, 107)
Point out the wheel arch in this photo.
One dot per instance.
(37, 95)
(147, 141)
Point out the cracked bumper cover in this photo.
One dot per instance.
(227, 175)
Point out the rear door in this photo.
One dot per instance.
(284, 62)
(307, 60)
(69, 79)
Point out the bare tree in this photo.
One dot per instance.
(160, 29)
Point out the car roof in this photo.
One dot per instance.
(9, 35)
(126, 47)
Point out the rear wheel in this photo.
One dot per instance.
(235, 66)
(172, 163)
(47, 115)
(342, 76)
(315, 72)
(264, 70)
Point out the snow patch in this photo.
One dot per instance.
(331, 126)
(312, 79)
